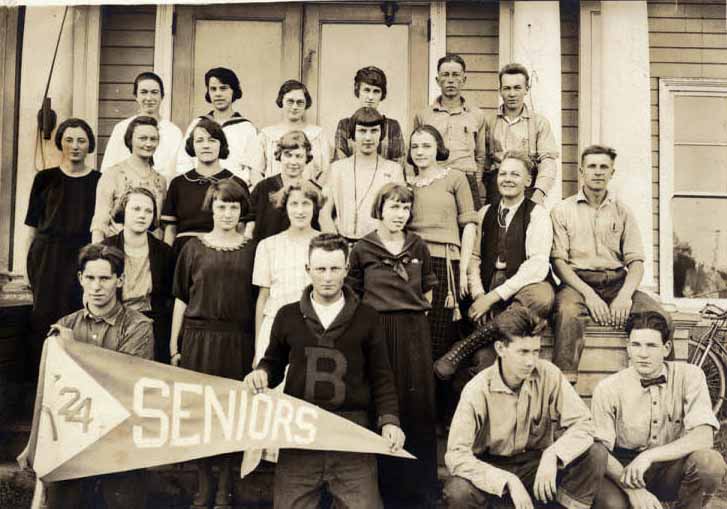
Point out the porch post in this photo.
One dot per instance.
(163, 53)
(530, 35)
(625, 112)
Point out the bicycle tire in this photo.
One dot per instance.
(714, 372)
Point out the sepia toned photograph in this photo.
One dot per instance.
(363, 254)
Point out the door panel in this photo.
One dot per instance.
(260, 42)
(341, 39)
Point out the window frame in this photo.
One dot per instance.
(669, 89)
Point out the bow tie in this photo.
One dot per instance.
(648, 382)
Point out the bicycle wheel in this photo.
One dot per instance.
(714, 372)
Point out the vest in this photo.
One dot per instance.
(514, 241)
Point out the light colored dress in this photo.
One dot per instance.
(279, 266)
(261, 156)
(113, 185)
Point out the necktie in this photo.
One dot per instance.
(502, 217)
(648, 382)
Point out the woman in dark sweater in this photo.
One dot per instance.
(391, 268)
(148, 265)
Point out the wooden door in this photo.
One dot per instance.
(340, 39)
(260, 42)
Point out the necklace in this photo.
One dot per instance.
(356, 203)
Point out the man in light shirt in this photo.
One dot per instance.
(509, 265)
(502, 444)
(656, 419)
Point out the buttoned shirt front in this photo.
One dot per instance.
(605, 237)
(538, 243)
(463, 130)
(121, 330)
(503, 135)
(630, 416)
(492, 419)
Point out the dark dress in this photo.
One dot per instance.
(183, 204)
(379, 277)
(217, 334)
(60, 208)
(270, 220)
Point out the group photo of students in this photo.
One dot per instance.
(401, 280)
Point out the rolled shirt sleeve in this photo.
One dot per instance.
(561, 242)
(697, 406)
(468, 419)
(474, 276)
(632, 245)
(548, 154)
(466, 212)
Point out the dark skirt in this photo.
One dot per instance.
(444, 331)
(217, 348)
(408, 483)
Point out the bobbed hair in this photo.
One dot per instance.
(369, 117)
(371, 75)
(111, 254)
(517, 321)
(119, 215)
(309, 189)
(598, 149)
(293, 140)
(213, 129)
(328, 242)
(148, 76)
(135, 122)
(227, 190)
(226, 76)
(71, 123)
(391, 191)
(290, 86)
(514, 69)
(442, 150)
(452, 57)
(650, 320)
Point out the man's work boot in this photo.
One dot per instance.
(446, 366)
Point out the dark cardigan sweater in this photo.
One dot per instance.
(351, 356)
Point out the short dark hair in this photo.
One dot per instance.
(148, 76)
(517, 321)
(70, 123)
(514, 69)
(309, 189)
(135, 122)
(119, 215)
(291, 141)
(442, 150)
(371, 75)
(369, 117)
(290, 86)
(328, 242)
(519, 156)
(226, 76)
(391, 191)
(452, 57)
(650, 320)
(215, 130)
(598, 149)
(111, 254)
(227, 190)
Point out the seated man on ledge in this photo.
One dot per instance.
(599, 258)
(656, 419)
(502, 443)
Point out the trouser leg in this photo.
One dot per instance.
(691, 480)
(67, 494)
(126, 490)
(298, 479)
(459, 493)
(610, 496)
(569, 321)
(579, 481)
(353, 480)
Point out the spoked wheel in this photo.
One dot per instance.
(715, 373)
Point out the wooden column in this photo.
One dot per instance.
(530, 35)
(625, 112)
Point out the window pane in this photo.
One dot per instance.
(700, 247)
(700, 168)
(700, 119)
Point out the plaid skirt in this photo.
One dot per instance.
(444, 331)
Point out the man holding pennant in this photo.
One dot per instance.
(103, 411)
(336, 356)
